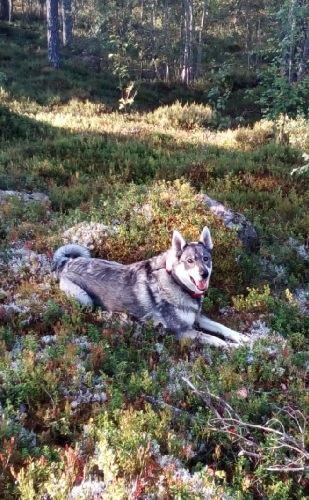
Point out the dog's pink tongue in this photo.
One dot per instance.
(202, 284)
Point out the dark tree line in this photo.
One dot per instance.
(181, 41)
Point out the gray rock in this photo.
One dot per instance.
(21, 258)
(24, 196)
(301, 297)
(48, 339)
(8, 310)
(89, 234)
(90, 488)
(301, 250)
(234, 220)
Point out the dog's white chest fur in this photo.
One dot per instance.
(186, 316)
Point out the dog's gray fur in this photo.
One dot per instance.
(166, 289)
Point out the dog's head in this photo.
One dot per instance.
(191, 263)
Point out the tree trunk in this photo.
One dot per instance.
(142, 11)
(67, 22)
(190, 33)
(167, 72)
(292, 41)
(6, 9)
(247, 44)
(186, 73)
(258, 43)
(42, 9)
(153, 29)
(52, 33)
(295, 62)
(166, 32)
(199, 53)
(289, 26)
(303, 63)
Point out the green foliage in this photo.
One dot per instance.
(52, 313)
(255, 299)
(215, 299)
(287, 319)
(130, 436)
(119, 53)
(219, 93)
(7, 337)
(27, 382)
(279, 97)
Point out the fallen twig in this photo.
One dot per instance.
(176, 411)
(239, 430)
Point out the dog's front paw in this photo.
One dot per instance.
(204, 338)
(237, 337)
(242, 339)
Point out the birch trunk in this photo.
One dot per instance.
(199, 54)
(67, 23)
(303, 66)
(186, 73)
(288, 43)
(303, 62)
(167, 39)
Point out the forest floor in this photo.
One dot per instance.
(97, 406)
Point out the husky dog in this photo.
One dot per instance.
(167, 289)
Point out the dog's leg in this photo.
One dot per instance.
(75, 291)
(202, 337)
(227, 333)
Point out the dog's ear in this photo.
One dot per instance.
(178, 242)
(206, 239)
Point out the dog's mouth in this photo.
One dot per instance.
(201, 285)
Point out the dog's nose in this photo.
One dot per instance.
(204, 274)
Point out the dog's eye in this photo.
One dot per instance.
(190, 261)
(205, 259)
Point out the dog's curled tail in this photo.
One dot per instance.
(66, 252)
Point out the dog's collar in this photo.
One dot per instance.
(193, 295)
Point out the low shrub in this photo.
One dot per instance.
(261, 133)
(298, 132)
(17, 126)
(184, 116)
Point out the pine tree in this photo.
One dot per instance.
(6, 8)
(52, 33)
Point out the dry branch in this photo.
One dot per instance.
(234, 426)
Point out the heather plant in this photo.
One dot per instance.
(183, 116)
